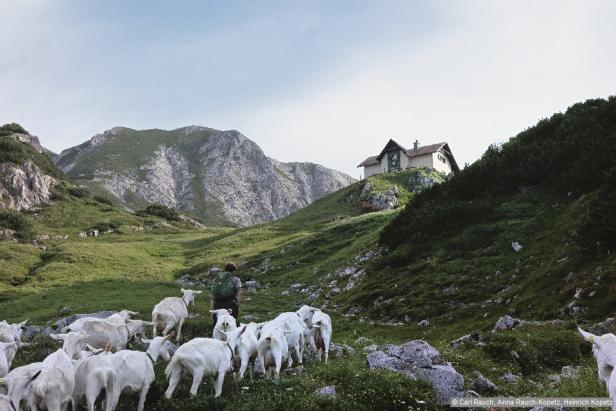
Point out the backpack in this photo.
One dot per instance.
(223, 288)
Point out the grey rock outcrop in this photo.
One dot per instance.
(419, 360)
(221, 176)
(25, 186)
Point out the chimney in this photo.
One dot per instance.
(416, 145)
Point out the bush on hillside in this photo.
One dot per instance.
(598, 229)
(568, 152)
(159, 210)
(16, 221)
(11, 128)
(103, 200)
(79, 192)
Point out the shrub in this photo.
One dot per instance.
(160, 211)
(16, 152)
(598, 228)
(567, 152)
(11, 128)
(16, 221)
(58, 192)
(79, 192)
(103, 200)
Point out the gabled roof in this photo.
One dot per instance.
(420, 151)
(369, 161)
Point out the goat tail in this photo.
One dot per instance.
(173, 364)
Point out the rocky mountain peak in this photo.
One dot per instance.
(221, 176)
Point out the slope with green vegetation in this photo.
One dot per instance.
(446, 257)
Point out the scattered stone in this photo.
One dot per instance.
(249, 317)
(335, 290)
(570, 276)
(64, 310)
(509, 377)
(338, 350)
(516, 246)
(328, 392)
(419, 360)
(214, 270)
(285, 292)
(604, 327)
(423, 323)
(592, 293)
(252, 286)
(265, 265)
(473, 338)
(82, 234)
(355, 310)
(571, 371)
(506, 322)
(554, 379)
(578, 293)
(313, 296)
(295, 287)
(92, 233)
(370, 348)
(483, 385)
(363, 341)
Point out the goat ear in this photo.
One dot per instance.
(146, 341)
(23, 323)
(132, 313)
(35, 376)
(58, 337)
(182, 290)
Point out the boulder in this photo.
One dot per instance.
(509, 377)
(571, 371)
(328, 391)
(473, 338)
(506, 322)
(419, 360)
(338, 350)
(604, 327)
(483, 385)
(363, 341)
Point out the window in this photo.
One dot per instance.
(442, 158)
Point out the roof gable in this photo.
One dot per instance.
(390, 146)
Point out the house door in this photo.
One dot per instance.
(393, 158)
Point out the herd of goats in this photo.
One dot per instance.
(94, 358)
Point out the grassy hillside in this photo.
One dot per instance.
(446, 258)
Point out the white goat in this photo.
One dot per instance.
(321, 335)
(102, 332)
(225, 322)
(4, 363)
(293, 329)
(272, 350)
(9, 385)
(203, 356)
(246, 351)
(53, 389)
(172, 312)
(92, 374)
(74, 344)
(16, 387)
(135, 369)
(11, 333)
(604, 350)
(306, 312)
(119, 318)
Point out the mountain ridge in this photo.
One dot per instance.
(218, 175)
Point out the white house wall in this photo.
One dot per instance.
(439, 165)
(421, 161)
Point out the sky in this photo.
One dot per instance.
(322, 81)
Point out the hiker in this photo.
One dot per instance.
(227, 291)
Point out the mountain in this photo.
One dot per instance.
(27, 175)
(220, 176)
